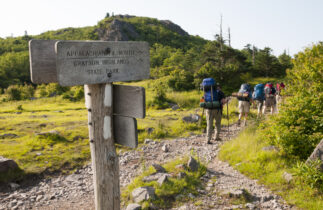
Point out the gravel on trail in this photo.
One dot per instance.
(222, 183)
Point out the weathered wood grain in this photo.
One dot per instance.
(105, 162)
(129, 101)
(94, 62)
(42, 59)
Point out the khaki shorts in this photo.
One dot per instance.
(259, 105)
(270, 102)
(244, 106)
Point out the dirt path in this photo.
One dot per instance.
(76, 191)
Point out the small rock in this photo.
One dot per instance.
(192, 164)
(147, 141)
(175, 107)
(154, 177)
(150, 130)
(39, 197)
(159, 168)
(38, 153)
(133, 206)
(143, 193)
(47, 133)
(288, 177)
(181, 175)
(270, 148)
(14, 186)
(42, 125)
(181, 167)
(165, 148)
(162, 179)
(7, 164)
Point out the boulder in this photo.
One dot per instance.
(133, 206)
(7, 165)
(317, 154)
(192, 164)
(143, 194)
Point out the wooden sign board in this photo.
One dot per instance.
(88, 62)
(125, 131)
(42, 57)
(129, 101)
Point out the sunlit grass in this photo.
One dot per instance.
(245, 153)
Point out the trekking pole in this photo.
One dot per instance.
(228, 118)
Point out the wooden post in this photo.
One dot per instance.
(105, 164)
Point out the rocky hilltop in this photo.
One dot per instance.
(120, 28)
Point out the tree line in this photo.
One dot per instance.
(179, 61)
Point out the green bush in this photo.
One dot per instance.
(13, 93)
(297, 129)
(310, 174)
(159, 98)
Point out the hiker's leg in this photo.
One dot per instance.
(209, 124)
(218, 117)
(240, 107)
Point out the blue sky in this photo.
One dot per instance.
(289, 25)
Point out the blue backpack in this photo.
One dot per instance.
(211, 96)
(259, 92)
(244, 92)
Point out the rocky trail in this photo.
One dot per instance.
(222, 184)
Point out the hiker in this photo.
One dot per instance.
(270, 100)
(245, 99)
(279, 98)
(214, 99)
(259, 96)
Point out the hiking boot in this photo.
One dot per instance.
(238, 122)
(245, 123)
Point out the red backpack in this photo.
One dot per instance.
(269, 89)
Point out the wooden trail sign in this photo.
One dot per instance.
(42, 59)
(92, 64)
(81, 63)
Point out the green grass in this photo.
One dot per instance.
(166, 194)
(36, 154)
(245, 154)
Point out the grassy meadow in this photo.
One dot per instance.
(68, 147)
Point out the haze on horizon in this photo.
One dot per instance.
(289, 25)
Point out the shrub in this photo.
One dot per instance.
(310, 173)
(13, 93)
(159, 98)
(298, 127)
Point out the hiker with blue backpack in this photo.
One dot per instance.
(212, 102)
(259, 96)
(245, 100)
